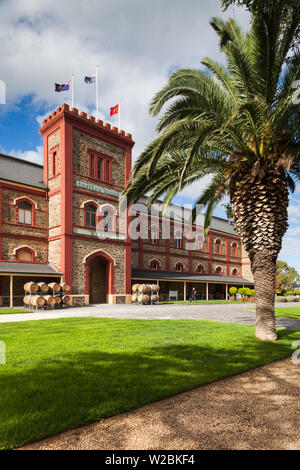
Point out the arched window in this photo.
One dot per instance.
(25, 255)
(154, 234)
(90, 215)
(200, 243)
(154, 265)
(25, 213)
(200, 269)
(234, 272)
(234, 249)
(179, 267)
(219, 270)
(107, 218)
(218, 246)
(178, 239)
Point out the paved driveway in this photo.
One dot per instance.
(221, 312)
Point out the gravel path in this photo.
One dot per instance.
(222, 312)
(258, 409)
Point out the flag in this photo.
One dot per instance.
(64, 87)
(91, 79)
(114, 110)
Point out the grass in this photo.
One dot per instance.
(5, 311)
(63, 373)
(288, 312)
(204, 302)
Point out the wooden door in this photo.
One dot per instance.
(98, 280)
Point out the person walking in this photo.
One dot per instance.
(193, 295)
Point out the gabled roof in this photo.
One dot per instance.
(21, 171)
(176, 212)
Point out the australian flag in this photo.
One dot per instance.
(64, 87)
(91, 79)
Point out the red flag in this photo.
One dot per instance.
(114, 110)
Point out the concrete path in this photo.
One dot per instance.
(258, 409)
(218, 312)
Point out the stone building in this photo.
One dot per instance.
(62, 220)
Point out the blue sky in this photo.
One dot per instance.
(136, 44)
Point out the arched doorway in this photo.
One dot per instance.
(99, 277)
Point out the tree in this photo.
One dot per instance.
(237, 123)
(290, 12)
(229, 211)
(287, 276)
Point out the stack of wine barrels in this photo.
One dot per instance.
(43, 295)
(145, 293)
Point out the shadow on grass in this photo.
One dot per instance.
(56, 393)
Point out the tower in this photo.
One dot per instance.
(87, 165)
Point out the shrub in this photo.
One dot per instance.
(280, 298)
(292, 298)
(241, 291)
(233, 290)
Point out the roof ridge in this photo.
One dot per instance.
(21, 160)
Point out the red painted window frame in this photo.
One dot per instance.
(157, 233)
(154, 261)
(101, 217)
(219, 245)
(90, 203)
(54, 161)
(181, 267)
(25, 199)
(94, 157)
(202, 269)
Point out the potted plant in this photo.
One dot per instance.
(233, 292)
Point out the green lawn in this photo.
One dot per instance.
(5, 311)
(63, 373)
(288, 312)
(204, 302)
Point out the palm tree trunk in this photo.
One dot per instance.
(260, 205)
(264, 271)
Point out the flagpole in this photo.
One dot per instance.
(72, 90)
(97, 94)
(119, 114)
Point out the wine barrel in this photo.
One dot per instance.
(31, 287)
(55, 287)
(37, 301)
(26, 300)
(144, 288)
(155, 288)
(143, 298)
(135, 287)
(58, 299)
(65, 287)
(154, 298)
(43, 287)
(134, 298)
(50, 300)
(66, 299)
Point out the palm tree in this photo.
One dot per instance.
(237, 123)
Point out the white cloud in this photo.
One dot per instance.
(136, 44)
(34, 156)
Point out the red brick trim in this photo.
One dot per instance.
(110, 271)
(25, 248)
